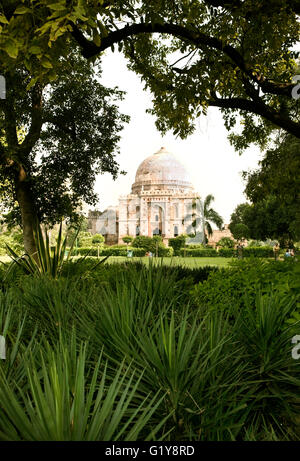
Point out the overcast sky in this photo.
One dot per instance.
(214, 167)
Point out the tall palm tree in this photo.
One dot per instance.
(210, 216)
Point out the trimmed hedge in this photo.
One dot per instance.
(177, 243)
(258, 252)
(82, 251)
(207, 253)
(167, 252)
(110, 251)
(121, 250)
(227, 252)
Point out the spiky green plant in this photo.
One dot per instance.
(46, 261)
(63, 399)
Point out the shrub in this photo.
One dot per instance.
(177, 243)
(198, 246)
(84, 239)
(122, 251)
(226, 242)
(127, 239)
(47, 261)
(83, 251)
(163, 251)
(14, 240)
(124, 355)
(233, 288)
(114, 250)
(259, 252)
(143, 241)
(205, 253)
(98, 239)
(227, 252)
(152, 244)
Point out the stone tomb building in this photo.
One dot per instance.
(161, 202)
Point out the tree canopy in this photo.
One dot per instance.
(70, 133)
(273, 192)
(236, 55)
(274, 188)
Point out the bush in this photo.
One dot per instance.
(122, 251)
(226, 242)
(204, 253)
(198, 246)
(115, 250)
(177, 243)
(227, 252)
(98, 239)
(84, 239)
(165, 252)
(83, 251)
(258, 252)
(14, 240)
(237, 286)
(127, 239)
(143, 241)
(152, 244)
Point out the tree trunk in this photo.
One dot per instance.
(28, 213)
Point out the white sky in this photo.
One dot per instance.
(214, 167)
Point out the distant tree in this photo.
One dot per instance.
(71, 132)
(274, 189)
(240, 231)
(266, 219)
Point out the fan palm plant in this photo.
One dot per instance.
(210, 216)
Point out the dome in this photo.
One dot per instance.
(161, 171)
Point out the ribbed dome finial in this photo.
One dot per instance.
(162, 150)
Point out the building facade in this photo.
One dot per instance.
(162, 202)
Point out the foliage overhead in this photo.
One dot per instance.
(236, 55)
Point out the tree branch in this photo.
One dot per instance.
(199, 39)
(36, 123)
(258, 108)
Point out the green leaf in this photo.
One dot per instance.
(22, 10)
(34, 49)
(46, 63)
(31, 83)
(11, 49)
(57, 6)
(3, 19)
